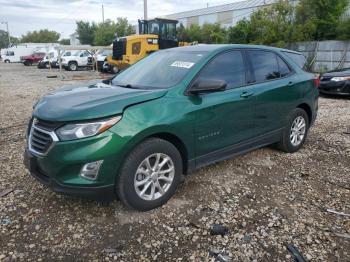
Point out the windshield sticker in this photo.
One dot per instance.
(182, 64)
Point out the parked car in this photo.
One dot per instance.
(175, 111)
(100, 56)
(49, 60)
(336, 82)
(32, 59)
(78, 59)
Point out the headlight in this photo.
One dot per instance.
(82, 130)
(340, 78)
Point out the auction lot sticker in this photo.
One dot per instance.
(182, 64)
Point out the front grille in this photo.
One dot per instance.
(42, 136)
(40, 141)
(119, 48)
(47, 125)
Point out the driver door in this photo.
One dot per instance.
(223, 119)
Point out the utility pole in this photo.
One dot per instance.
(103, 14)
(145, 17)
(8, 33)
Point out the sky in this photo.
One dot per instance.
(60, 15)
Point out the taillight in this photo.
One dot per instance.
(317, 81)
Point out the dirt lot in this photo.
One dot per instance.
(266, 199)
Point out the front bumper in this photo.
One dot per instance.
(60, 167)
(335, 88)
(101, 193)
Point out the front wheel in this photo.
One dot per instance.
(149, 175)
(7, 61)
(295, 132)
(73, 66)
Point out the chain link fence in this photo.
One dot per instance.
(324, 55)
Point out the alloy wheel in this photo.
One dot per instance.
(154, 176)
(297, 132)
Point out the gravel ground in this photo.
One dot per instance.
(266, 199)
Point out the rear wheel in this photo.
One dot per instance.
(149, 175)
(296, 131)
(73, 66)
(7, 61)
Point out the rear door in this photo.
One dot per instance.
(275, 89)
(224, 118)
(83, 58)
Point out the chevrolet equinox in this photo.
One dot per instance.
(136, 134)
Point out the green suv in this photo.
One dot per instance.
(175, 111)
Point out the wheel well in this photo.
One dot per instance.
(178, 144)
(308, 111)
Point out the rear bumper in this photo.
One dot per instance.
(100, 193)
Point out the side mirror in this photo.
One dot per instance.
(207, 86)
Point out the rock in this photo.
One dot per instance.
(218, 229)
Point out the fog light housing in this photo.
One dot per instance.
(90, 170)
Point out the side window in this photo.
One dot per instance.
(284, 68)
(10, 53)
(228, 66)
(265, 65)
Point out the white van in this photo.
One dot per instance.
(13, 54)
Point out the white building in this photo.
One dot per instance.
(227, 15)
(74, 39)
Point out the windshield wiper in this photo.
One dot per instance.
(129, 86)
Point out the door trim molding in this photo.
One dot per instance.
(236, 149)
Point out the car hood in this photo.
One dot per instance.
(337, 73)
(90, 101)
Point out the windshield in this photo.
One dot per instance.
(162, 69)
(77, 53)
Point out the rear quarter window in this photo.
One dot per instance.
(299, 59)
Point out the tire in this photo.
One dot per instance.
(47, 66)
(73, 66)
(131, 194)
(115, 70)
(295, 132)
(7, 61)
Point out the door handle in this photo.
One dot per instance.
(246, 94)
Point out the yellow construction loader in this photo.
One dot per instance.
(154, 35)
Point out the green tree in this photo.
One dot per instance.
(41, 36)
(4, 40)
(86, 32)
(319, 19)
(272, 25)
(213, 34)
(192, 33)
(105, 32)
(64, 41)
(241, 33)
(343, 29)
(123, 28)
